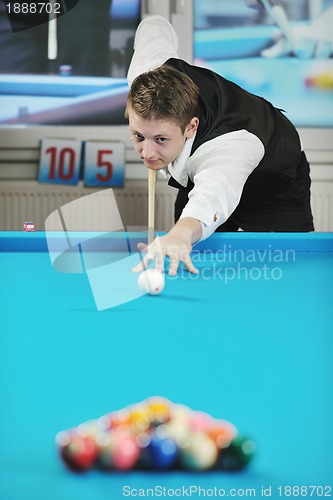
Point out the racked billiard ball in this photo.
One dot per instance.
(199, 452)
(237, 455)
(77, 451)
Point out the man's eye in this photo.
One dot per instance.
(161, 139)
(139, 137)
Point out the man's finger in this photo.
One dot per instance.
(142, 246)
(140, 267)
(189, 264)
(174, 263)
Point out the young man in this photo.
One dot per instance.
(236, 160)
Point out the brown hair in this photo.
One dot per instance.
(164, 94)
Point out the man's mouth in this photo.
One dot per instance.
(150, 162)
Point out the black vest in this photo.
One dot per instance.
(225, 107)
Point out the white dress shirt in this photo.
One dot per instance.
(220, 167)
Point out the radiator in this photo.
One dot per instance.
(29, 201)
(322, 205)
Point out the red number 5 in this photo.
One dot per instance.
(104, 163)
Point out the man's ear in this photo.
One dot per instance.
(191, 128)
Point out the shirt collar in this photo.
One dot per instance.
(178, 168)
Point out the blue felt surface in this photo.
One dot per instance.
(248, 340)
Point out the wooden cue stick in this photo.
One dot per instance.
(151, 205)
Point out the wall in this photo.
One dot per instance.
(23, 198)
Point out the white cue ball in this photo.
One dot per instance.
(151, 281)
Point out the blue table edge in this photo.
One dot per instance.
(37, 241)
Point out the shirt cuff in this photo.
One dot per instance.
(207, 229)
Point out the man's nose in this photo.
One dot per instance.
(148, 149)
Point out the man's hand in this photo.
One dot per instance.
(176, 244)
(312, 41)
(254, 4)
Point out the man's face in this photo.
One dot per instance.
(158, 143)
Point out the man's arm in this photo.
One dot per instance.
(304, 41)
(222, 167)
(155, 42)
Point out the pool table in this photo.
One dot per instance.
(54, 99)
(250, 340)
(236, 54)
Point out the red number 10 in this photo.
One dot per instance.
(65, 161)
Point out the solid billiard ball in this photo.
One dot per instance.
(159, 410)
(158, 450)
(222, 433)
(126, 451)
(237, 455)
(151, 281)
(119, 419)
(162, 449)
(139, 419)
(77, 451)
(117, 449)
